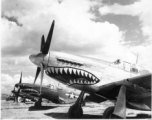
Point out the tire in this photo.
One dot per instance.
(108, 112)
(74, 112)
(19, 99)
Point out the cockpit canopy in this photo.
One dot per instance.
(50, 86)
(133, 68)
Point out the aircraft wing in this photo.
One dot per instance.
(138, 90)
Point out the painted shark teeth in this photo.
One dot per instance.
(73, 75)
(85, 82)
(71, 82)
(78, 72)
(90, 75)
(61, 70)
(49, 70)
(65, 70)
(52, 69)
(74, 81)
(28, 90)
(82, 73)
(70, 70)
(91, 82)
(93, 77)
(81, 82)
(56, 70)
(86, 74)
(74, 71)
(78, 81)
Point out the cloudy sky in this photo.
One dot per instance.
(104, 29)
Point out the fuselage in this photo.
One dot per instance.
(56, 94)
(86, 73)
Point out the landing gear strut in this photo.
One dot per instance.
(119, 111)
(38, 103)
(75, 111)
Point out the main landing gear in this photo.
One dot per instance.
(108, 112)
(20, 99)
(76, 111)
(118, 111)
(38, 103)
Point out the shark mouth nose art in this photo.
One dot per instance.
(29, 90)
(72, 75)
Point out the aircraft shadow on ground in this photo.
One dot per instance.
(57, 115)
(65, 116)
(88, 116)
(33, 108)
(140, 116)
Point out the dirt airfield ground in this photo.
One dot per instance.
(11, 110)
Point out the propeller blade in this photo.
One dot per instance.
(14, 93)
(42, 42)
(37, 73)
(48, 41)
(20, 78)
(42, 74)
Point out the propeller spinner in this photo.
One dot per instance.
(44, 49)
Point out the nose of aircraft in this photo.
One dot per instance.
(32, 58)
(36, 59)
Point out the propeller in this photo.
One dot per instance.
(42, 42)
(20, 78)
(44, 49)
(16, 94)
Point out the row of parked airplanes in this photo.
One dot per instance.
(127, 85)
(25, 92)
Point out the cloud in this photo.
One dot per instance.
(122, 2)
(141, 8)
(13, 19)
(17, 64)
(73, 25)
(8, 82)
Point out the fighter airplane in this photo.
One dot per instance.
(127, 84)
(56, 94)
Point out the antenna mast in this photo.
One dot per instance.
(137, 55)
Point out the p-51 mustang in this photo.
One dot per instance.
(56, 94)
(129, 85)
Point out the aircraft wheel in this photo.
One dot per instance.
(74, 112)
(19, 99)
(108, 112)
